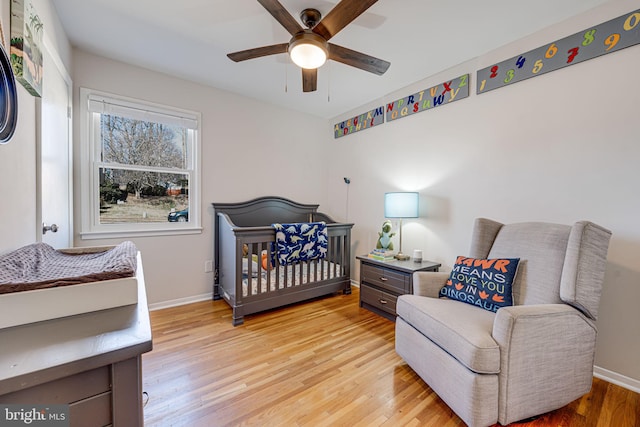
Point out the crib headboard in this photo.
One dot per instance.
(265, 211)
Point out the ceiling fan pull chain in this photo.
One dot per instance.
(329, 83)
(286, 77)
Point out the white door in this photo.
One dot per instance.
(55, 155)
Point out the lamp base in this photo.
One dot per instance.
(401, 257)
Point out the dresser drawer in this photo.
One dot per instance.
(64, 390)
(94, 411)
(394, 281)
(378, 299)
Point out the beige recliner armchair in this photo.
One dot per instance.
(522, 360)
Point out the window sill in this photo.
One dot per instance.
(118, 234)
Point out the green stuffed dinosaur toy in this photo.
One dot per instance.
(384, 237)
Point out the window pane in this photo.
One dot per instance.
(135, 142)
(140, 167)
(134, 196)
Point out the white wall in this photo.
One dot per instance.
(18, 184)
(18, 179)
(559, 147)
(54, 33)
(17, 168)
(249, 149)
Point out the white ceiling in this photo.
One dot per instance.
(190, 39)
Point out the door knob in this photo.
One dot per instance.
(53, 228)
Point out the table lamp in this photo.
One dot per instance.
(401, 205)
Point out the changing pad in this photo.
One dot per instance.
(39, 266)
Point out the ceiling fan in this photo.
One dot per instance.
(309, 48)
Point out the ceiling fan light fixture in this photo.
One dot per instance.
(308, 50)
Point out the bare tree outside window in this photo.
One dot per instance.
(145, 180)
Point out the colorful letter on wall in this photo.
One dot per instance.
(442, 94)
(363, 121)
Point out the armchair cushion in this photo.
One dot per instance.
(463, 330)
(485, 283)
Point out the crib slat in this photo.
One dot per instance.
(255, 249)
(301, 272)
(262, 275)
(343, 253)
(267, 247)
(332, 266)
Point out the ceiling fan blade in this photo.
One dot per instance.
(257, 52)
(358, 59)
(282, 15)
(341, 16)
(309, 79)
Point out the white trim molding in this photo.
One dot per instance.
(617, 379)
(180, 301)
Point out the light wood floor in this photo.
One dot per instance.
(322, 363)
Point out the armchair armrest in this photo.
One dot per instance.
(428, 283)
(542, 345)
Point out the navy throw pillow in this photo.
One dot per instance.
(486, 283)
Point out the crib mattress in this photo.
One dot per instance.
(325, 270)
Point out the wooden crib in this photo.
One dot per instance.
(245, 278)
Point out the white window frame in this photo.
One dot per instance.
(90, 164)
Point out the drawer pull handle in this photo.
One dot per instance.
(382, 301)
(384, 279)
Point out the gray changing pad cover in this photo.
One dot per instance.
(40, 266)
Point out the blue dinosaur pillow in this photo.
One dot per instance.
(486, 283)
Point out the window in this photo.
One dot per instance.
(140, 173)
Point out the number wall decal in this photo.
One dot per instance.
(607, 37)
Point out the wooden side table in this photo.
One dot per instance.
(381, 282)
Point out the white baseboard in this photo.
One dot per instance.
(617, 379)
(180, 301)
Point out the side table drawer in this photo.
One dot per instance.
(393, 281)
(378, 299)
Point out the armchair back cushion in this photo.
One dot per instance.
(553, 258)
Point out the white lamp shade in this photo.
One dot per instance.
(401, 205)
